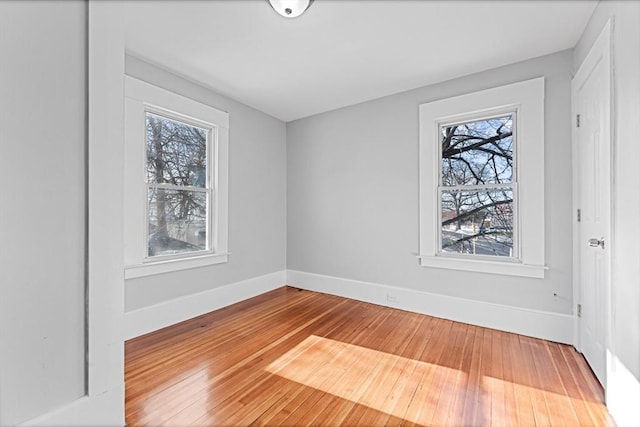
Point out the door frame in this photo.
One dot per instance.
(601, 48)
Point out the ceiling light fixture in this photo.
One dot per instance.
(290, 8)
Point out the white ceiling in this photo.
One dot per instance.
(342, 52)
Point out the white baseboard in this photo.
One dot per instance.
(149, 319)
(539, 324)
(104, 409)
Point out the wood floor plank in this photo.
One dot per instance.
(483, 414)
(456, 413)
(495, 381)
(474, 378)
(519, 378)
(291, 357)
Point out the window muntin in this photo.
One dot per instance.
(179, 191)
(477, 187)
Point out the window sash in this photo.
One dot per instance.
(478, 118)
(210, 142)
(515, 253)
(182, 232)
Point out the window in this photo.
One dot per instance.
(178, 186)
(176, 181)
(482, 181)
(477, 187)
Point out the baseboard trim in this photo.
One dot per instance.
(149, 319)
(534, 323)
(105, 409)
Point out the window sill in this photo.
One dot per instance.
(484, 266)
(167, 266)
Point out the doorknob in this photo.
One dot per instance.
(594, 243)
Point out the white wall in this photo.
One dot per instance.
(623, 382)
(42, 206)
(257, 198)
(353, 193)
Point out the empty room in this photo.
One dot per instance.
(321, 213)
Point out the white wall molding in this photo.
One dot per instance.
(103, 403)
(149, 319)
(539, 324)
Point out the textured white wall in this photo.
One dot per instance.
(257, 197)
(352, 177)
(623, 385)
(42, 204)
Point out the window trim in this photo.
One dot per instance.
(527, 100)
(140, 98)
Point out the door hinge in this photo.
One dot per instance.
(579, 310)
(577, 120)
(579, 215)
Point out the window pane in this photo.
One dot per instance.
(176, 152)
(478, 222)
(478, 152)
(177, 221)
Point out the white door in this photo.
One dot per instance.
(591, 91)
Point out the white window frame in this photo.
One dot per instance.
(142, 98)
(474, 117)
(526, 100)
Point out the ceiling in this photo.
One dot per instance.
(342, 52)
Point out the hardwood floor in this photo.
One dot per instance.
(293, 357)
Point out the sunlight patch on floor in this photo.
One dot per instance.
(501, 395)
(378, 380)
(169, 399)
